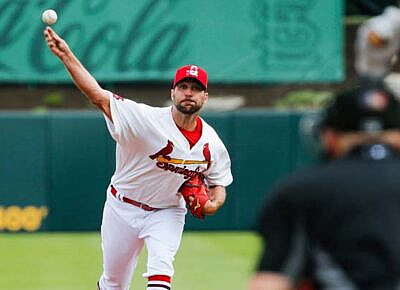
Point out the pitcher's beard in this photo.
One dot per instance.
(188, 110)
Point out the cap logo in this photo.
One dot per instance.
(193, 71)
(376, 100)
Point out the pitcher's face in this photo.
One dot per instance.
(189, 96)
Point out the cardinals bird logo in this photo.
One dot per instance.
(164, 152)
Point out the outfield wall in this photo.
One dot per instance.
(55, 167)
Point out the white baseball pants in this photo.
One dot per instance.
(125, 229)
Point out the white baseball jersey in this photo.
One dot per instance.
(153, 157)
(372, 61)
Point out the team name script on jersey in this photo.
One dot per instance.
(179, 170)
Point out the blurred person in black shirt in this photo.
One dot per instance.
(338, 223)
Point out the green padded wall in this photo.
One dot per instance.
(24, 178)
(56, 167)
(79, 170)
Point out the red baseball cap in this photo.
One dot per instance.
(191, 71)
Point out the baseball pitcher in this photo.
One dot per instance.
(167, 160)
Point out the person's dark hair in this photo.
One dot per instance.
(366, 109)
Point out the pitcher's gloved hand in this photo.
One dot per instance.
(195, 193)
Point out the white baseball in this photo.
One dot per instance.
(49, 17)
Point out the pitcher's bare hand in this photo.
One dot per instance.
(56, 44)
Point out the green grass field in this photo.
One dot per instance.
(72, 261)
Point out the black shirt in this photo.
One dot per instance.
(339, 221)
